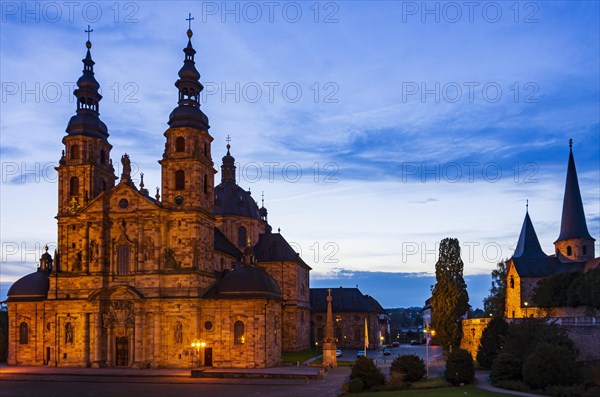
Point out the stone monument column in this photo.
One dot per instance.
(329, 342)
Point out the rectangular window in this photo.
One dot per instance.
(123, 260)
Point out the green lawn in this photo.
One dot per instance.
(469, 390)
(293, 357)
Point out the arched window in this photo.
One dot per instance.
(512, 282)
(357, 334)
(74, 186)
(569, 250)
(68, 333)
(319, 334)
(102, 156)
(23, 333)
(74, 152)
(180, 144)
(205, 184)
(242, 236)
(179, 180)
(338, 333)
(238, 333)
(123, 260)
(584, 249)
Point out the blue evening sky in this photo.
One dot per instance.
(375, 129)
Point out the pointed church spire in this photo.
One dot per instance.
(228, 167)
(573, 224)
(528, 244)
(188, 113)
(86, 121)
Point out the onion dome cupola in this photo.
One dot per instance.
(87, 121)
(188, 113)
(231, 199)
(228, 167)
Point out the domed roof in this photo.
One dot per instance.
(34, 286)
(248, 282)
(230, 199)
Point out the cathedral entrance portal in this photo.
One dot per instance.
(122, 347)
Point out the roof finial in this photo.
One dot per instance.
(142, 180)
(88, 43)
(228, 139)
(570, 143)
(189, 19)
(263, 198)
(527, 205)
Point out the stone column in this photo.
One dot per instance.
(131, 347)
(157, 347)
(110, 361)
(139, 339)
(329, 342)
(86, 340)
(97, 340)
(86, 248)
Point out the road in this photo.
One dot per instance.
(76, 384)
(52, 385)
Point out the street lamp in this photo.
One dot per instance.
(197, 344)
(526, 304)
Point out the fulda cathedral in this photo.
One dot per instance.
(137, 278)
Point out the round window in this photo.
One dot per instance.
(208, 325)
(123, 203)
(178, 200)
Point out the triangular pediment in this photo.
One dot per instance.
(122, 198)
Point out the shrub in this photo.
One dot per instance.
(506, 367)
(550, 365)
(459, 367)
(365, 369)
(397, 379)
(411, 365)
(491, 341)
(566, 391)
(516, 385)
(354, 386)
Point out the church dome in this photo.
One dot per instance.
(248, 281)
(33, 286)
(230, 199)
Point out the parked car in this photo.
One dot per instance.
(387, 352)
(361, 353)
(395, 344)
(414, 342)
(338, 353)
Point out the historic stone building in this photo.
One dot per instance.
(137, 278)
(350, 309)
(573, 252)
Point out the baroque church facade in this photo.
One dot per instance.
(138, 278)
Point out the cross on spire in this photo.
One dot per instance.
(228, 139)
(189, 19)
(570, 143)
(88, 31)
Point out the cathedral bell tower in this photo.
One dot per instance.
(85, 169)
(574, 244)
(187, 167)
